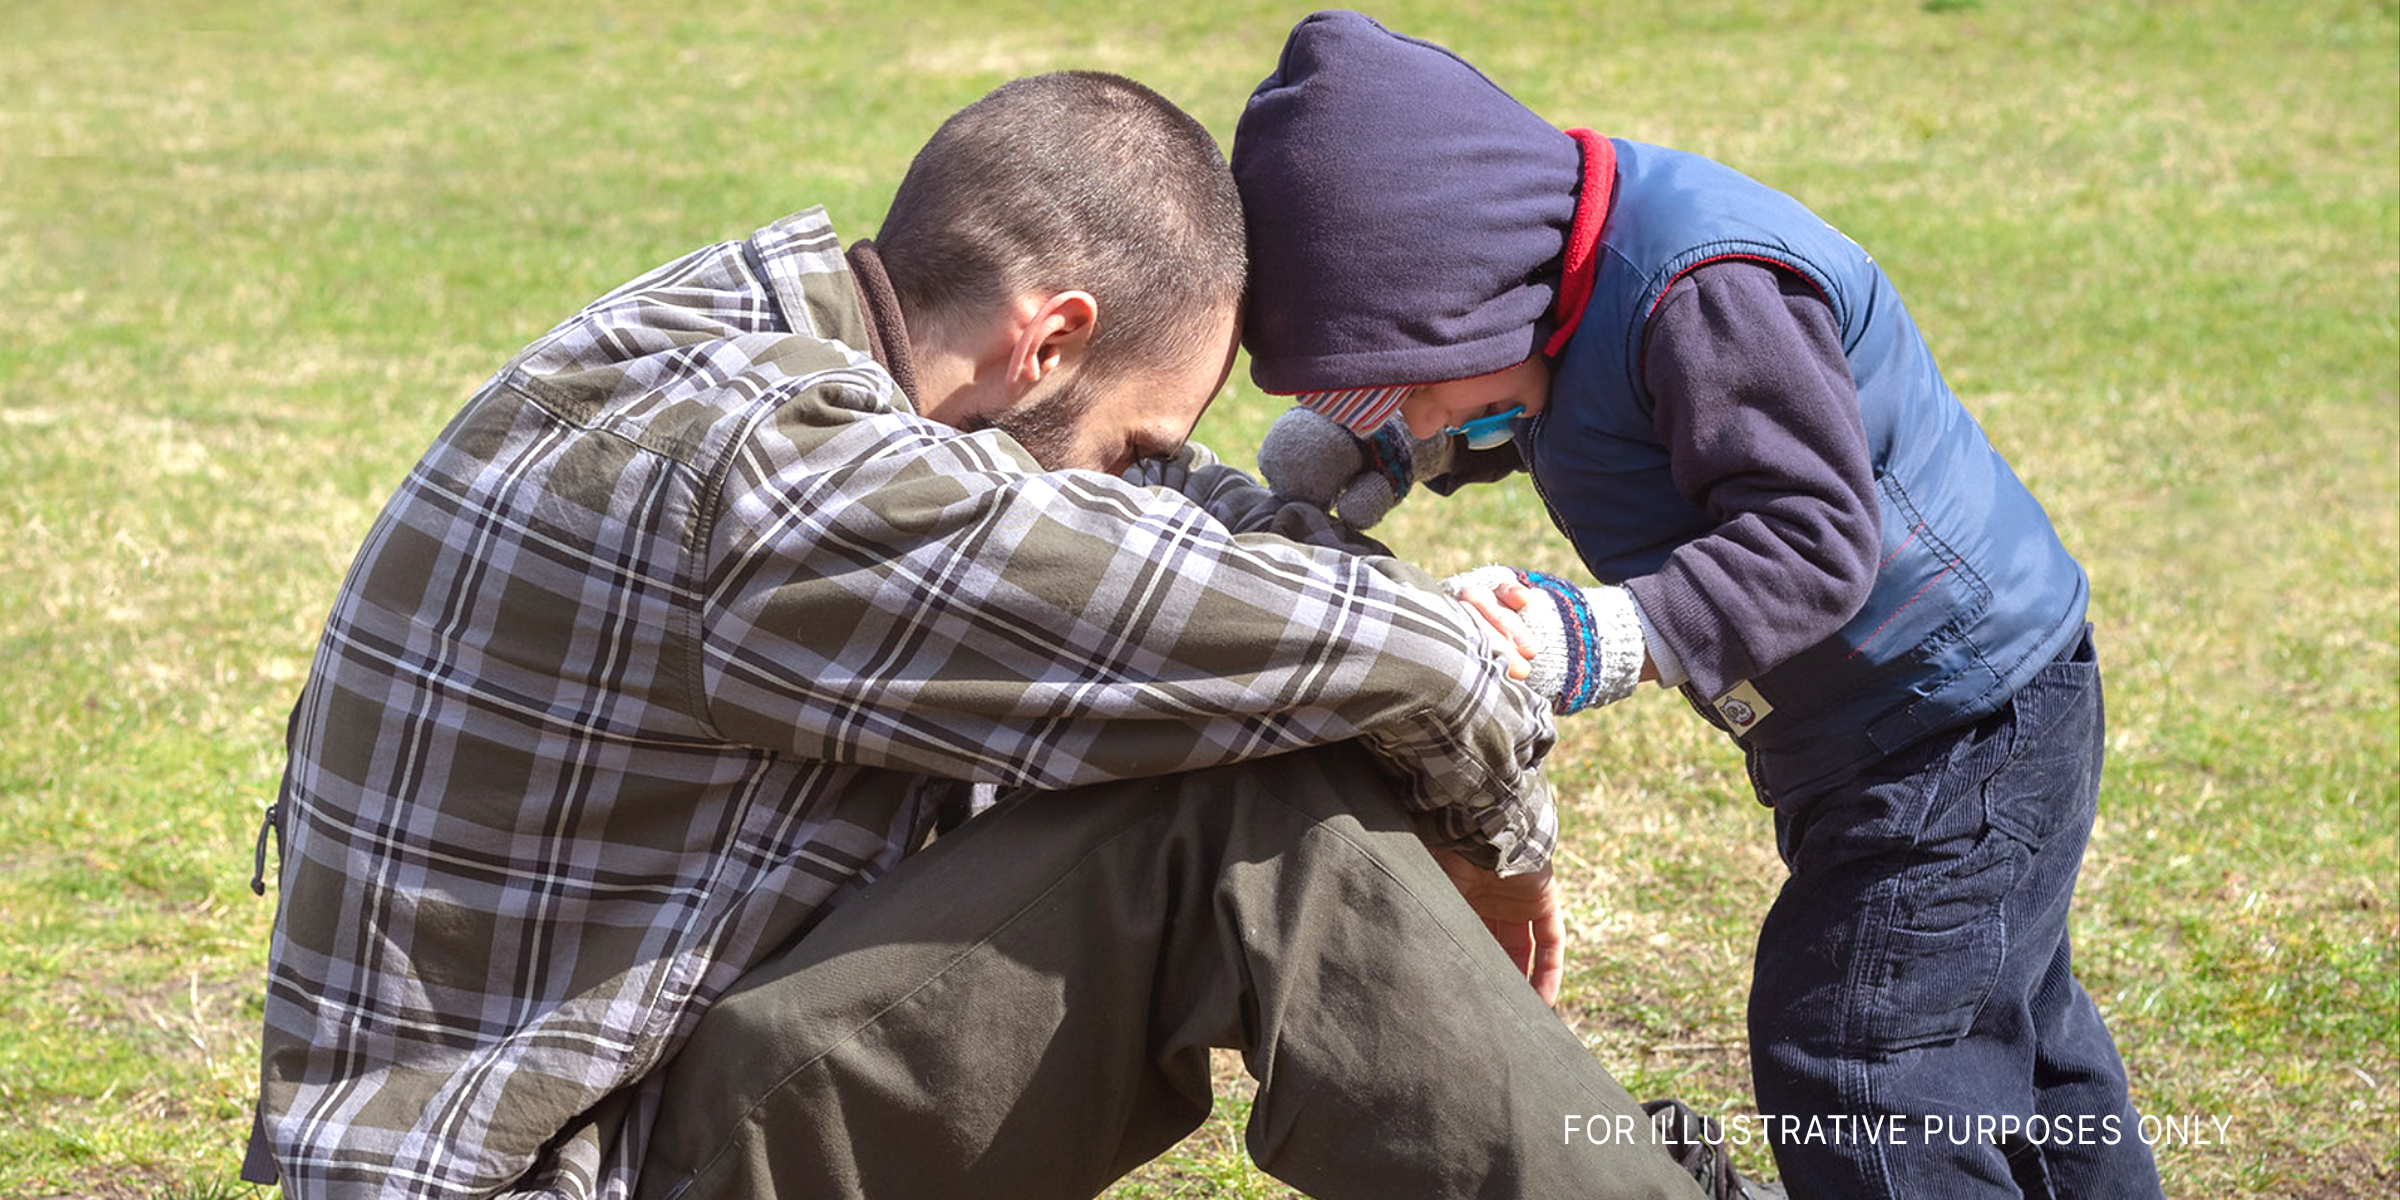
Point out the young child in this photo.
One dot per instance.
(1728, 412)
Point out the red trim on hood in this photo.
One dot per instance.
(1583, 237)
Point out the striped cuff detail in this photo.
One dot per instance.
(1389, 456)
(1602, 631)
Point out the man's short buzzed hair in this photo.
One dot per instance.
(1074, 180)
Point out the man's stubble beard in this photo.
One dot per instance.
(1046, 426)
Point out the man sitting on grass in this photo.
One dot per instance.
(609, 860)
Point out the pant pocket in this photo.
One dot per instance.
(1941, 952)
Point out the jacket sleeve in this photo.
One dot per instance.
(1754, 401)
(884, 591)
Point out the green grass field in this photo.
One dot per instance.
(253, 255)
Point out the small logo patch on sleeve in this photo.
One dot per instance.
(1743, 708)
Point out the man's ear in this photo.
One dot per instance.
(1056, 334)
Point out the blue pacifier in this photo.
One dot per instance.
(1483, 433)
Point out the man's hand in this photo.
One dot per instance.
(1523, 914)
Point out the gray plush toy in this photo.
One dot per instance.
(1310, 458)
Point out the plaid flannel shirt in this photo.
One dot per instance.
(682, 631)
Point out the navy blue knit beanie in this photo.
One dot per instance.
(1406, 216)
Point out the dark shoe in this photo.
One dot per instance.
(1698, 1146)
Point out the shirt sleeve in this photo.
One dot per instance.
(1244, 505)
(888, 592)
(1756, 406)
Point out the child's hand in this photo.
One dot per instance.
(1498, 605)
(1579, 647)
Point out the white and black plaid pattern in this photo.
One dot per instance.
(683, 628)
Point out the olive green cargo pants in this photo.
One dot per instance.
(1025, 1009)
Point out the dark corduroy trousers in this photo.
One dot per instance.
(1916, 970)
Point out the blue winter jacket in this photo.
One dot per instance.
(1975, 592)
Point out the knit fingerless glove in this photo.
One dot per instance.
(1311, 458)
(1590, 643)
